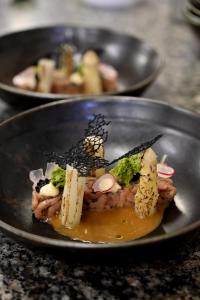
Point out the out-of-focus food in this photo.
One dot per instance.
(45, 75)
(70, 74)
(26, 79)
(91, 74)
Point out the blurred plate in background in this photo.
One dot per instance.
(138, 64)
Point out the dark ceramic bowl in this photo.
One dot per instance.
(138, 64)
(192, 15)
(56, 126)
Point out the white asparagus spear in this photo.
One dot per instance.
(66, 195)
(72, 200)
(91, 74)
(79, 205)
(45, 74)
(73, 195)
(147, 193)
(66, 59)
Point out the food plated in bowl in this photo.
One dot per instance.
(131, 60)
(83, 196)
(75, 74)
(27, 138)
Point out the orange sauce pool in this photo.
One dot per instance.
(115, 225)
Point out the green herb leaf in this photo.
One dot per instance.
(58, 177)
(81, 69)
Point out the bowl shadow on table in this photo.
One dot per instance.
(162, 250)
(165, 251)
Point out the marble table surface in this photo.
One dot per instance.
(35, 274)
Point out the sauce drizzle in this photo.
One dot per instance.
(115, 225)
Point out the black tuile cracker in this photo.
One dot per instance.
(138, 149)
(83, 158)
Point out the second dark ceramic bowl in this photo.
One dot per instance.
(137, 63)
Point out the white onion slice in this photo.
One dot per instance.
(36, 175)
(49, 169)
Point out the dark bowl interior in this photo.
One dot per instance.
(137, 63)
(55, 127)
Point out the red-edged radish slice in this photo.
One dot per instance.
(104, 183)
(165, 171)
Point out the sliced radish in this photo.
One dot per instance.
(104, 183)
(26, 79)
(108, 71)
(164, 170)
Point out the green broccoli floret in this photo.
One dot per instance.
(126, 168)
(58, 177)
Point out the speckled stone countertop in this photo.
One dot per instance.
(36, 274)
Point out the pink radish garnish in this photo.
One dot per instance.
(108, 72)
(165, 171)
(26, 79)
(104, 183)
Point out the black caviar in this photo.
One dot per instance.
(41, 183)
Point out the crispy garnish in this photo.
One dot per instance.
(86, 159)
(138, 149)
(147, 194)
(82, 157)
